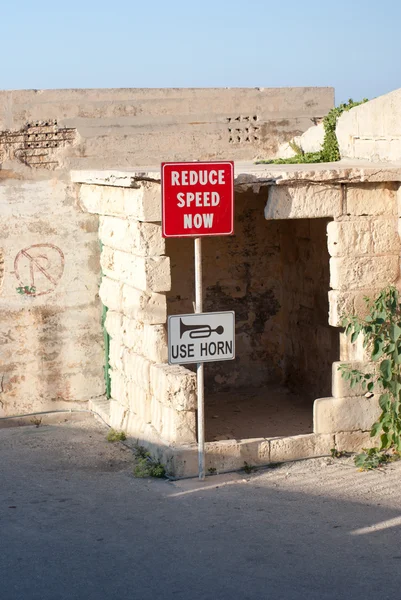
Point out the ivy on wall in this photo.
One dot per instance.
(330, 151)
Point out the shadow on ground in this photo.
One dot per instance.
(76, 524)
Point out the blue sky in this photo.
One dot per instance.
(353, 45)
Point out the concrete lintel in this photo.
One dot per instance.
(248, 173)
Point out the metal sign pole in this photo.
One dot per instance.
(199, 366)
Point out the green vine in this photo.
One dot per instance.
(330, 151)
(381, 333)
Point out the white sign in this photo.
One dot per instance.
(201, 337)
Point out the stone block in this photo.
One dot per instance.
(133, 334)
(143, 306)
(142, 202)
(155, 343)
(352, 352)
(300, 446)
(331, 415)
(174, 386)
(113, 232)
(145, 273)
(371, 199)
(340, 304)
(346, 303)
(231, 455)
(137, 369)
(110, 293)
(178, 426)
(362, 236)
(118, 387)
(181, 461)
(102, 200)
(341, 387)
(141, 239)
(224, 456)
(353, 273)
(355, 441)
(100, 408)
(113, 324)
(385, 236)
(349, 237)
(119, 414)
(303, 201)
(139, 402)
(116, 350)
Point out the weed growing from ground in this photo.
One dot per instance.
(248, 468)
(116, 436)
(373, 458)
(146, 466)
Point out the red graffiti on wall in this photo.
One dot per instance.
(39, 267)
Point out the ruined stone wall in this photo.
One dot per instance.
(123, 128)
(51, 346)
(49, 263)
(364, 246)
(240, 273)
(373, 130)
(275, 276)
(150, 400)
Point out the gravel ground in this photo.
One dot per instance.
(76, 524)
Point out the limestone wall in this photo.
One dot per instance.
(49, 261)
(151, 400)
(123, 128)
(373, 130)
(51, 345)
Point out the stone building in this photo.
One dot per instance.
(310, 241)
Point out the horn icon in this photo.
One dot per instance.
(199, 331)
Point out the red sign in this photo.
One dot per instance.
(198, 199)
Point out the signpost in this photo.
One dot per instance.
(198, 201)
(203, 337)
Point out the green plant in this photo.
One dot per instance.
(37, 421)
(146, 466)
(373, 458)
(212, 470)
(116, 436)
(338, 453)
(248, 468)
(305, 158)
(330, 151)
(381, 331)
(296, 147)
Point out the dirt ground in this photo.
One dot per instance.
(269, 411)
(76, 524)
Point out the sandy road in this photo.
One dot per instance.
(75, 523)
